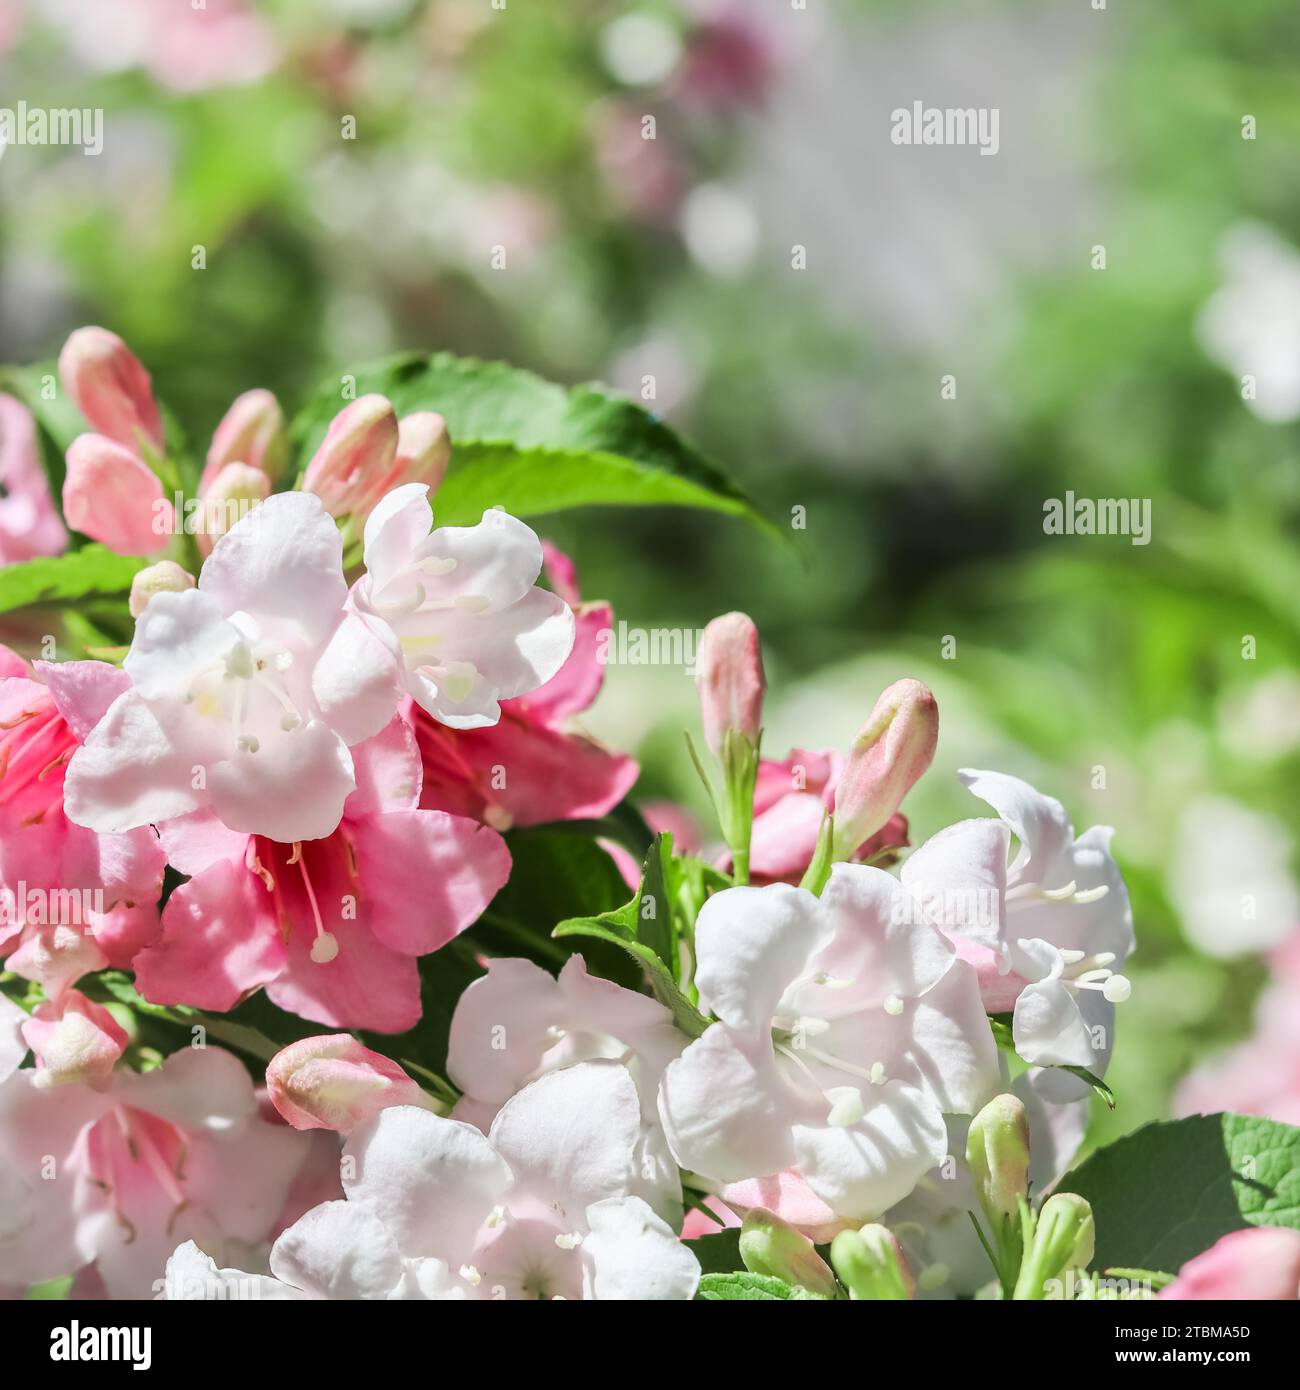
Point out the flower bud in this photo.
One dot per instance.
(997, 1150)
(769, 1245)
(423, 451)
(892, 749)
(56, 957)
(332, 1082)
(112, 496)
(871, 1266)
(251, 432)
(74, 1040)
(729, 677)
(166, 577)
(349, 470)
(109, 382)
(232, 494)
(1063, 1239)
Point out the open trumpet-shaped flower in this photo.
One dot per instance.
(71, 899)
(332, 927)
(1047, 932)
(460, 609)
(847, 1029)
(547, 1206)
(115, 1177)
(534, 764)
(246, 692)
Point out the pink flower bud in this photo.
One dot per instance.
(74, 1041)
(109, 382)
(356, 457)
(892, 749)
(230, 496)
(251, 432)
(112, 496)
(730, 680)
(423, 451)
(1260, 1263)
(332, 1082)
(56, 957)
(166, 577)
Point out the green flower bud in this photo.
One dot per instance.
(1064, 1236)
(769, 1245)
(997, 1150)
(871, 1266)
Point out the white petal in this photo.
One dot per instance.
(358, 679)
(629, 1253)
(432, 1182)
(398, 522)
(1039, 821)
(177, 637)
(501, 1029)
(191, 1275)
(292, 788)
(959, 879)
(282, 562)
(751, 944)
(128, 773)
(497, 560)
(338, 1250)
(726, 1109)
(570, 1137)
(861, 1170)
(1048, 1028)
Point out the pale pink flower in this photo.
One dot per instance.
(332, 927)
(29, 520)
(115, 1177)
(1261, 1263)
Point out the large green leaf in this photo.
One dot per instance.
(532, 447)
(92, 571)
(742, 1287)
(1170, 1190)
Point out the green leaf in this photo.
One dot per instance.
(1170, 1190)
(647, 937)
(745, 1287)
(532, 447)
(719, 1253)
(89, 572)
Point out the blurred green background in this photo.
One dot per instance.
(1116, 294)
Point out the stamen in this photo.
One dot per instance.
(571, 1241)
(325, 948)
(846, 1106)
(471, 1275)
(893, 1006)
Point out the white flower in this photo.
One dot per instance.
(459, 607)
(541, 1208)
(246, 691)
(1251, 325)
(517, 1022)
(1047, 932)
(847, 1028)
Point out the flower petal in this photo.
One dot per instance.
(338, 1250)
(629, 1253)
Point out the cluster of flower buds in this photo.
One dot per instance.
(367, 451)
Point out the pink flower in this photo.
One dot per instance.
(890, 752)
(99, 888)
(1260, 1076)
(251, 432)
(534, 765)
(331, 927)
(112, 388)
(1262, 1262)
(29, 521)
(114, 1178)
(730, 680)
(111, 495)
(335, 1083)
(790, 800)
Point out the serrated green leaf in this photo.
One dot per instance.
(90, 571)
(1170, 1190)
(532, 447)
(746, 1287)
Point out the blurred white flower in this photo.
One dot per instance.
(1251, 325)
(1229, 878)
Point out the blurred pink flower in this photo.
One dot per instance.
(1260, 1076)
(1260, 1263)
(29, 520)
